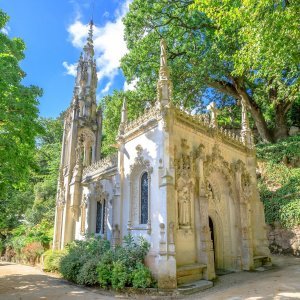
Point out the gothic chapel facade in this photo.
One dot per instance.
(180, 181)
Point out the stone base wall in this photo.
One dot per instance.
(284, 241)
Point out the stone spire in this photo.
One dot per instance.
(164, 84)
(86, 78)
(124, 112)
(123, 117)
(246, 131)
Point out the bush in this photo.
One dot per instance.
(141, 277)
(104, 274)
(119, 275)
(33, 251)
(88, 273)
(279, 184)
(52, 260)
(118, 266)
(79, 253)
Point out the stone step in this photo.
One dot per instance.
(194, 287)
(190, 269)
(261, 260)
(190, 273)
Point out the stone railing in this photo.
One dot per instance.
(204, 121)
(151, 113)
(102, 165)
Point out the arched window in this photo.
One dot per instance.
(100, 217)
(144, 198)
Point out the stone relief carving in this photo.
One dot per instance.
(83, 208)
(216, 162)
(184, 182)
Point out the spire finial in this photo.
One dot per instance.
(124, 111)
(164, 84)
(90, 35)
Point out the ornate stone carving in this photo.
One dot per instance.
(101, 166)
(185, 179)
(83, 208)
(216, 162)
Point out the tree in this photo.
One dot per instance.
(227, 50)
(19, 126)
(112, 106)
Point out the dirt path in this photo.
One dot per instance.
(280, 283)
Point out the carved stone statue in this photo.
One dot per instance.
(184, 206)
(163, 53)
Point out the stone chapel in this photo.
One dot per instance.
(177, 179)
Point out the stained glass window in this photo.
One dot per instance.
(100, 222)
(144, 198)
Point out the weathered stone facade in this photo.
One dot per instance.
(178, 180)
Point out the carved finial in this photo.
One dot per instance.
(164, 84)
(246, 131)
(124, 112)
(213, 109)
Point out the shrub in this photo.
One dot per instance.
(132, 253)
(141, 277)
(52, 260)
(79, 253)
(119, 275)
(88, 273)
(104, 274)
(33, 251)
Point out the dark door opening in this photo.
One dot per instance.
(211, 228)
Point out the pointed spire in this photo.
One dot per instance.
(164, 84)
(89, 47)
(246, 133)
(124, 112)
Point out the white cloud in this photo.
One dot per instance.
(109, 43)
(106, 88)
(71, 69)
(130, 86)
(5, 30)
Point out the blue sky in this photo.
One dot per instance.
(54, 32)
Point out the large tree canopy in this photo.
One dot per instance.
(230, 50)
(19, 124)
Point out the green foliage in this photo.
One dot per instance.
(119, 276)
(19, 126)
(279, 184)
(52, 260)
(287, 149)
(92, 261)
(221, 50)
(88, 272)
(112, 106)
(104, 269)
(141, 277)
(78, 254)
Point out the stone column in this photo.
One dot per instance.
(206, 245)
(166, 262)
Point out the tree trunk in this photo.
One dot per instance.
(281, 129)
(257, 115)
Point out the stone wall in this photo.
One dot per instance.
(283, 240)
